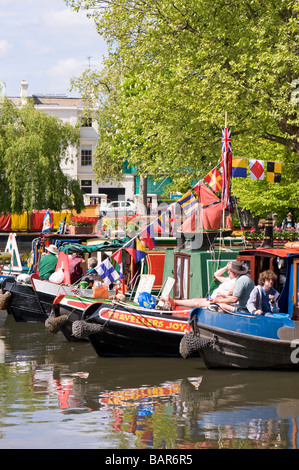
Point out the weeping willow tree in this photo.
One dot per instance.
(32, 146)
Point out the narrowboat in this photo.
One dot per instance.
(247, 341)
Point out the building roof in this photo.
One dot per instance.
(50, 100)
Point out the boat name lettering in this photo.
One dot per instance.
(143, 321)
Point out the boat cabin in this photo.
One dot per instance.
(193, 271)
(285, 263)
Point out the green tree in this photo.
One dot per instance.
(188, 64)
(32, 145)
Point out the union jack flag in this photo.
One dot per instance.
(226, 166)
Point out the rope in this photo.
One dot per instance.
(4, 300)
(53, 324)
(82, 329)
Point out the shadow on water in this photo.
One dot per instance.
(119, 403)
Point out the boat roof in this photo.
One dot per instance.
(281, 252)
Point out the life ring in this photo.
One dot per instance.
(292, 245)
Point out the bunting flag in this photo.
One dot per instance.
(47, 223)
(140, 250)
(188, 203)
(117, 256)
(226, 153)
(274, 170)
(162, 222)
(196, 188)
(239, 167)
(107, 272)
(131, 248)
(256, 169)
(171, 209)
(214, 180)
(147, 235)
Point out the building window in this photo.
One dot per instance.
(86, 157)
(86, 121)
(86, 186)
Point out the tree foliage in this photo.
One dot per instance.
(32, 145)
(175, 69)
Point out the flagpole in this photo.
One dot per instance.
(223, 209)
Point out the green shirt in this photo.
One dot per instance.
(47, 266)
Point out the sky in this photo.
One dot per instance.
(45, 43)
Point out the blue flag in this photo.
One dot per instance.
(47, 222)
(107, 272)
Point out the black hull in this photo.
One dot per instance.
(242, 351)
(24, 304)
(126, 339)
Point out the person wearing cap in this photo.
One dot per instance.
(241, 291)
(48, 262)
(288, 222)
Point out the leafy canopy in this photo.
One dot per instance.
(175, 69)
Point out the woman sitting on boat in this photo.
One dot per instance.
(228, 301)
(226, 287)
(263, 298)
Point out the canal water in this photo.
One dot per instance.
(59, 395)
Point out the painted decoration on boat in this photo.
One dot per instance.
(139, 321)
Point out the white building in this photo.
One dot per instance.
(80, 165)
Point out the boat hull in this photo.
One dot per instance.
(30, 304)
(73, 307)
(233, 346)
(24, 304)
(131, 333)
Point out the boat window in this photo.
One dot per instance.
(181, 275)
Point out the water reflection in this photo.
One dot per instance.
(54, 394)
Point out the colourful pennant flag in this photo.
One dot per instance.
(117, 256)
(147, 235)
(131, 248)
(171, 209)
(47, 224)
(214, 180)
(274, 170)
(239, 167)
(140, 250)
(226, 153)
(162, 222)
(256, 169)
(188, 203)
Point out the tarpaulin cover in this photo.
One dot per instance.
(77, 248)
(5, 222)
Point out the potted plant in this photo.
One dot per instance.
(82, 225)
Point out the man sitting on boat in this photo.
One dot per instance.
(226, 288)
(48, 262)
(241, 292)
(263, 298)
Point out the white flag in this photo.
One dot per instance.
(107, 272)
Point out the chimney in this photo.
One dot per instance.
(23, 92)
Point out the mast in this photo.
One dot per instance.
(223, 157)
